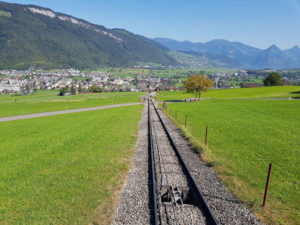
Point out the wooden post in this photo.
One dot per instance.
(267, 185)
(165, 105)
(206, 136)
(185, 121)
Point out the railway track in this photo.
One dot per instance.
(176, 196)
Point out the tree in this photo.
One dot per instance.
(79, 89)
(273, 79)
(73, 90)
(198, 83)
(62, 92)
(67, 89)
(135, 80)
(27, 87)
(95, 88)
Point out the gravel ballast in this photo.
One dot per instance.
(169, 173)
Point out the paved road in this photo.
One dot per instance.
(35, 115)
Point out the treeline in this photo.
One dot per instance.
(73, 90)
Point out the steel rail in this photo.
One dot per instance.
(192, 183)
(161, 164)
(150, 147)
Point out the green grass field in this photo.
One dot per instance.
(46, 101)
(262, 92)
(244, 137)
(162, 72)
(65, 169)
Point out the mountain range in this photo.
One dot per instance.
(33, 35)
(238, 54)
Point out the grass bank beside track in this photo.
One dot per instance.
(236, 93)
(244, 137)
(47, 101)
(65, 169)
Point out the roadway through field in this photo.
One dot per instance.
(35, 115)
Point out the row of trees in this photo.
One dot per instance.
(72, 90)
(67, 89)
(198, 83)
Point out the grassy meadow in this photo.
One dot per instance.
(123, 72)
(65, 169)
(46, 101)
(244, 136)
(261, 92)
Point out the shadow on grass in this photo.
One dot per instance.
(295, 92)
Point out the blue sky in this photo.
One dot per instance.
(259, 23)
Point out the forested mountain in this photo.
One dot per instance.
(239, 53)
(34, 35)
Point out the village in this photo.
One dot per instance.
(27, 81)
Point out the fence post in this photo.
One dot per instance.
(267, 185)
(185, 121)
(206, 136)
(165, 105)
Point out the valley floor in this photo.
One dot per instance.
(67, 169)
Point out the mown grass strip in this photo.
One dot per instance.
(261, 92)
(65, 169)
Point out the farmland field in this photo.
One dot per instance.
(123, 72)
(46, 101)
(65, 169)
(244, 136)
(262, 92)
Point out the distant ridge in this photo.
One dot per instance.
(240, 54)
(31, 34)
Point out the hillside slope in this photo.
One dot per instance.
(194, 59)
(34, 35)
